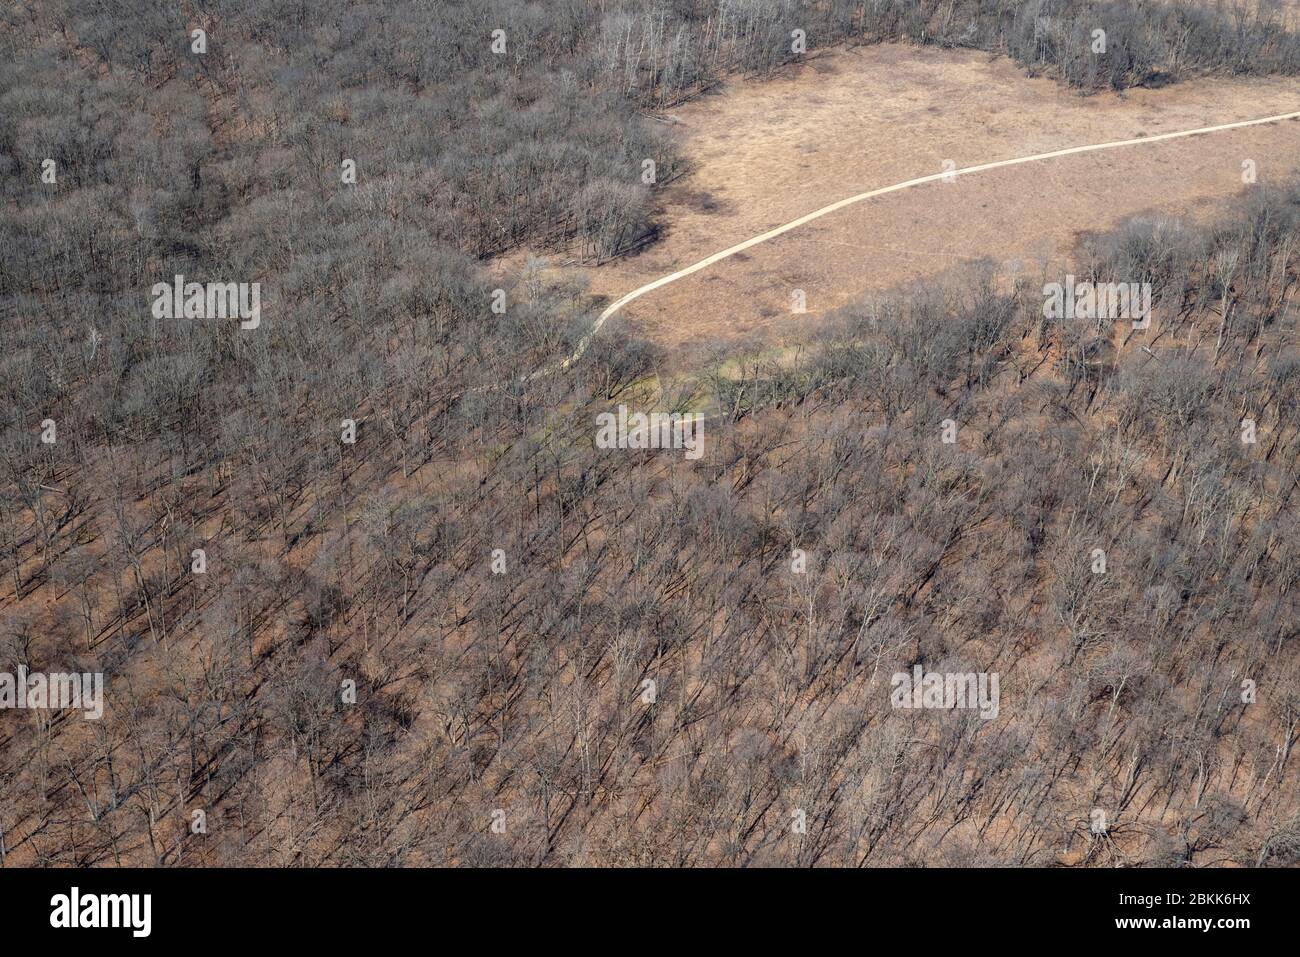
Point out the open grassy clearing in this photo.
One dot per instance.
(760, 155)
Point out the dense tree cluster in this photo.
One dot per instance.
(328, 562)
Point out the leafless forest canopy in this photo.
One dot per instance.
(330, 562)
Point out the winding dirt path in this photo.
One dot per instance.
(946, 176)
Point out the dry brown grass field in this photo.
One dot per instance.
(762, 154)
